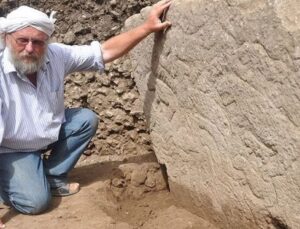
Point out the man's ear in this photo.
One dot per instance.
(6, 37)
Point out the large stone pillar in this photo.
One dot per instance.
(221, 92)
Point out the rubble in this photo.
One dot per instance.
(112, 94)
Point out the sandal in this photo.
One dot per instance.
(65, 190)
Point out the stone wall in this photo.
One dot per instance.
(221, 93)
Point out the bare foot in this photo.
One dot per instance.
(74, 187)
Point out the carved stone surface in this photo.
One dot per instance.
(221, 93)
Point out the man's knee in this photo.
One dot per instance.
(90, 119)
(81, 121)
(32, 204)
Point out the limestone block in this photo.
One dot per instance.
(221, 94)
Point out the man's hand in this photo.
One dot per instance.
(119, 45)
(154, 22)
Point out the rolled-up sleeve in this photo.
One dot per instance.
(79, 57)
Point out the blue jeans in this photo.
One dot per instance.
(26, 178)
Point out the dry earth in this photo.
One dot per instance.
(110, 199)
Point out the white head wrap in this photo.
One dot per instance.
(23, 17)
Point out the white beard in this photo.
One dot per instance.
(25, 67)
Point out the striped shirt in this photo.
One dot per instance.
(31, 117)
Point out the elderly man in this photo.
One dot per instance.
(33, 118)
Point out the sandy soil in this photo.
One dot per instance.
(93, 206)
(96, 206)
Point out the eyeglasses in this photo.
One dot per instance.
(23, 41)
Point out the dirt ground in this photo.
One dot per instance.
(95, 206)
(91, 207)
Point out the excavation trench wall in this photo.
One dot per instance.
(122, 131)
(221, 93)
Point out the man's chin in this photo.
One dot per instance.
(26, 63)
(27, 67)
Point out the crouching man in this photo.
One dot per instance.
(32, 114)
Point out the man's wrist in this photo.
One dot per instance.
(146, 29)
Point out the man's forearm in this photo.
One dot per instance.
(119, 45)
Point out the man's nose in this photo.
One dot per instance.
(29, 47)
